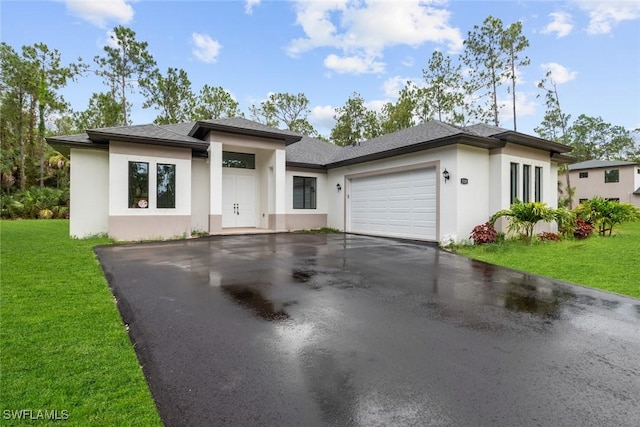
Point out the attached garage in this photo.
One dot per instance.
(400, 204)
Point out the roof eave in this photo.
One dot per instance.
(200, 130)
(305, 165)
(471, 140)
(563, 158)
(97, 137)
(533, 142)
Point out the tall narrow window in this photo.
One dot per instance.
(526, 183)
(538, 184)
(514, 182)
(304, 192)
(138, 185)
(166, 190)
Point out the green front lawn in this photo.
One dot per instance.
(63, 346)
(607, 263)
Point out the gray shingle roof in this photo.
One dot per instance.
(431, 131)
(484, 129)
(590, 164)
(150, 132)
(637, 191)
(242, 126)
(179, 128)
(311, 151)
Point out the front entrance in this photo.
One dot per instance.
(238, 198)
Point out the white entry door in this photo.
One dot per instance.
(401, 204)
(238, 198)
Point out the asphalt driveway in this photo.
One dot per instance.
(297, 329)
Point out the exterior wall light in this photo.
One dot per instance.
(339, 187)
(445, 175)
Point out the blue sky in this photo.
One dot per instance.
(331, 48)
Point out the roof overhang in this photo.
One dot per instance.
(474, 141)
(532, 141)
(98, 137)
(563, 158)
(201, 129)
(306, 166)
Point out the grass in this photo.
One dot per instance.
(607, 263)
(63, 346)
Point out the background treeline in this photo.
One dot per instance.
(461, 91)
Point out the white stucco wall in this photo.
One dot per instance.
(200, 195)
(119, 184)
(473, 198)
(89, 210)
(322, 192)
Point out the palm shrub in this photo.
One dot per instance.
(523, 217)
(605, 214)
(43, 203)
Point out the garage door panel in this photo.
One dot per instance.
(399, 204)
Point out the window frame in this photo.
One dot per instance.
(137, 201)
(526, 183)
(609, 175)
(583, 175)
(160, 197)
(313, 192)
(537, 184)
(226, 158)
(513, 175)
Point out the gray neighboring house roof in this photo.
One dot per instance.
(592, 164)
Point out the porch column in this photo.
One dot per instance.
(280, 190)
(215, 187)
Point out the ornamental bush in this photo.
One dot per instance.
(484, 233)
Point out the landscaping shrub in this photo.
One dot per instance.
(546, 236)
(484, 233)
(41, 203)
(523, 217)
(583, 229)
(604, 214)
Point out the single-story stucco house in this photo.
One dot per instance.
(610, 179)
(431, 182)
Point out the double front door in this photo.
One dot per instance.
(238, 198)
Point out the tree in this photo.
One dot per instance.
(122, 65)
(554, 126)
(593, 138)
(102, 111)
(514, 43)
(442, 92)
(523, 217)
(605, 214)
(170, 94)
(215, 103)
(399, 115)
(285, 110)
(51, 77)
(354, 122)
(485, 54)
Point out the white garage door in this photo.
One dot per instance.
(398, 204)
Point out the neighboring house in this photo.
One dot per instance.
(610, 179)
(430, 182)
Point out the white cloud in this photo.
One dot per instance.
(559, 73)
(560, 24)
(604, 15)
(524, 107)
(321, 116)
(393, 85)
(206, 49)
(364, 28)
(101, 12)
(249, 5)
(353, 64)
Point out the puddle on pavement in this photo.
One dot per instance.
(251, 296)
(302, 276)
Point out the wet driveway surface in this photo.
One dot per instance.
(295, 329)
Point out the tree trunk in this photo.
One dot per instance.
(513, 92)
(23, 175)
